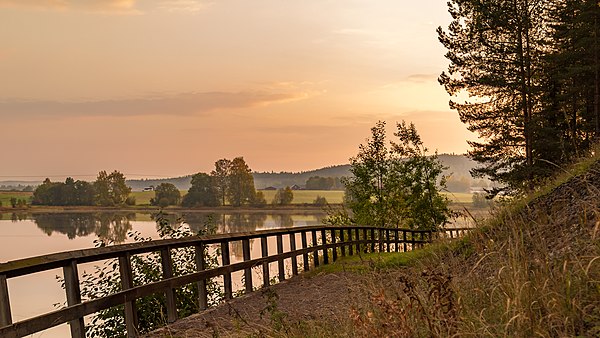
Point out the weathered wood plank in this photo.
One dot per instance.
(167, 268)
(324, 242)
(131, 320)
(304, 246)
(247, 271)
(73, 292)
(5, 315)
(265, 253)
(200, 266)
(227, 286)
(294, 258)
(333, 240)
(280, 263)
(315, 245)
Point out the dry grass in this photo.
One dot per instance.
(532, 270)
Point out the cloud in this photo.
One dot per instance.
(174, 105)
(190, 6)
(103, 6)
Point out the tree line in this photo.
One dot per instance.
(525, 76)
(107, 190)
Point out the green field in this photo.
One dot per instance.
(5, 197)
(300, 196)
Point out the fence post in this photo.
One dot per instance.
(280, 260)
(397, 240)
(131, 320)
(404, 240)
(372, 240)
(380, 234)
(200, 266)
(5, 315)
(357, 239)
(334, 250)
(264, 248)
(342, 247)
(350, 247)
(325, 250)
(316, 252)
(227, 275)
(364, 246)
(73, 292)
(247, 271)
(294, 258)
(304, 255)
(167, 267)
(387, 239)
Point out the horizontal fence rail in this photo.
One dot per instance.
(327, 243)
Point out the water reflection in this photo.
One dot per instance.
(109, 227)
(114, 226)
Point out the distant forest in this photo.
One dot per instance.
(458, 170)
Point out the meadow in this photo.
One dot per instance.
(300, 196)
(5, 197)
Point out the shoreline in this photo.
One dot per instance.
(151, 209)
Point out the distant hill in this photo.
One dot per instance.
(459, 165)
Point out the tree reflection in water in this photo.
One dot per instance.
(108, 227)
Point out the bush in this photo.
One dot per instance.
(479, 200)
(320, 201)
(163, 202)
(105, 280)
(130, 200)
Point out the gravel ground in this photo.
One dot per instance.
(301, 298)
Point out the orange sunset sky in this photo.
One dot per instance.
(161, 88)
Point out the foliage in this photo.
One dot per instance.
(220, 178)
(259, 200)
(320, 201)
(479, 200)
(322, 183)
(166, 194)
(396, 184)
(110, 189)
(202, 193)
(530, 70)
(105, 280)
(69, 193)
(283, 196)
(130, 200)
(240, 190)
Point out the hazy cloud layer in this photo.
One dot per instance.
(108, 6)
(182, 5)
(181, 104)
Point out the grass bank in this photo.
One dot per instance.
(532, 269)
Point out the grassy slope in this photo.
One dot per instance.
(531, 270)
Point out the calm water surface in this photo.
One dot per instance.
(27, 235)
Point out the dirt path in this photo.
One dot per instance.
(323, 296)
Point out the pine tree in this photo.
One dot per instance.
(496, 50)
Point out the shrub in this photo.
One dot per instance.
(320, 201)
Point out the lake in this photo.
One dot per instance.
(33, 234)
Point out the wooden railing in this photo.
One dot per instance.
(327, 242)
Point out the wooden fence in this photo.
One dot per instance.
(327, 243)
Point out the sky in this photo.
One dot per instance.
(164, 88)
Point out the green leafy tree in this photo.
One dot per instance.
(221, 178)
(397, 183)
(166, 194)
(283, 196)
(110, 189)
(259, 200)
(241, 189)
(320, 201)
(320, 183)
(202, 193)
